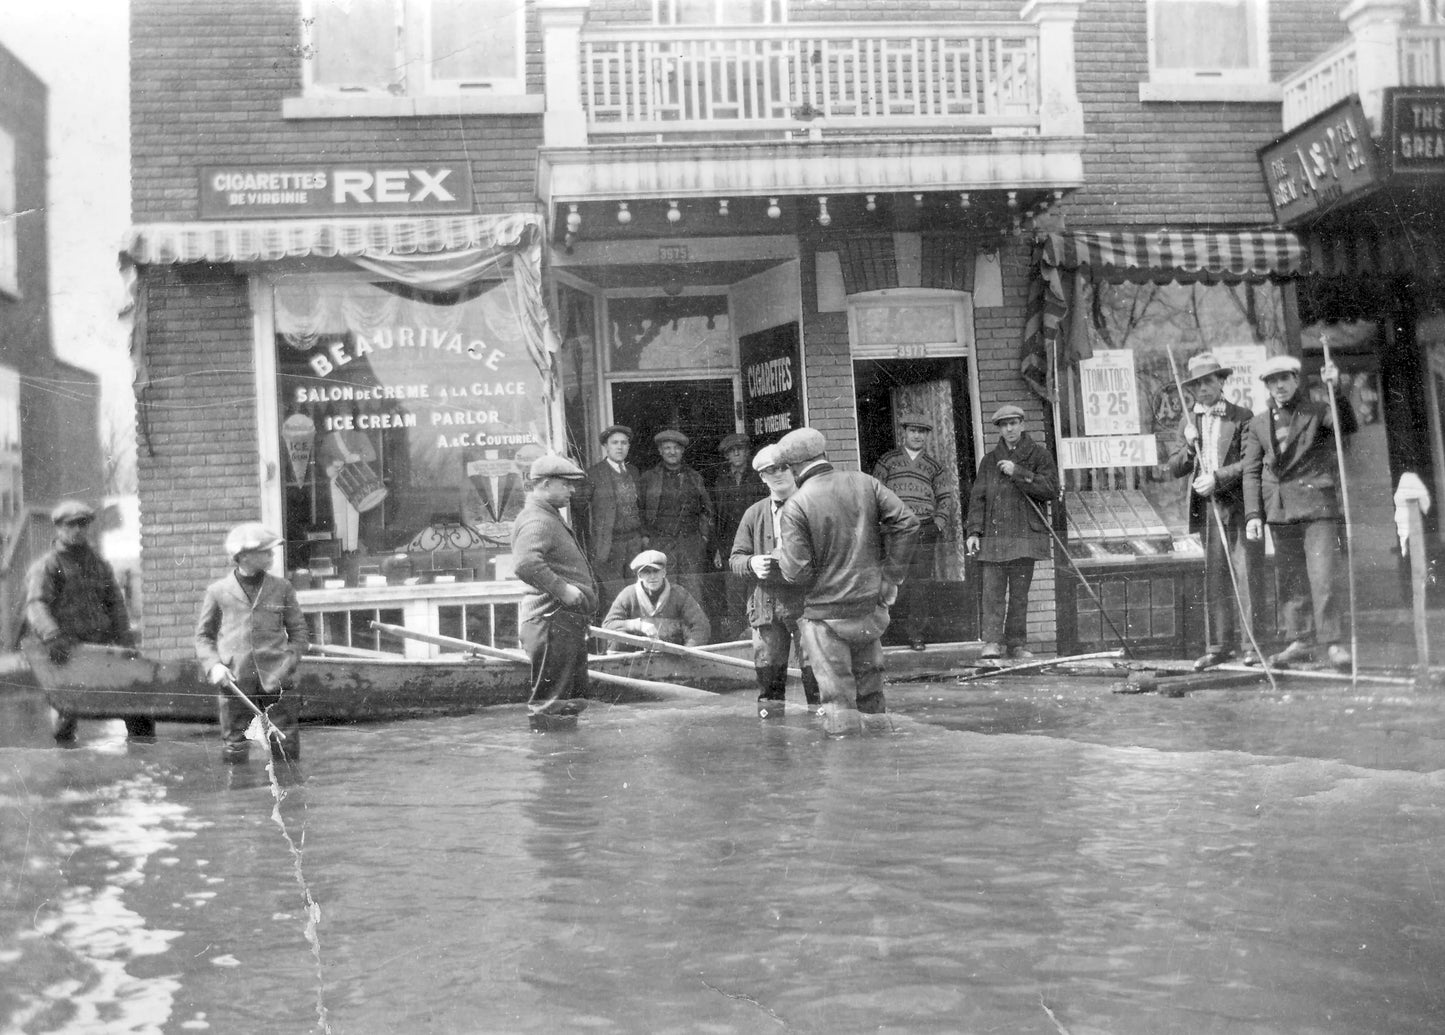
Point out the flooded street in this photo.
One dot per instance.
(1017, 856)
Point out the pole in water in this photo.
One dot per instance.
(1345, 507)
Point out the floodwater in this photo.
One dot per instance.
(1014, 857)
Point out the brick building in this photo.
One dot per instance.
(736, 217)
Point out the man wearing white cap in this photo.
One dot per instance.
(653, 606)
(845, 538)
(563, 598)
(1291, 468)
(252, 635)
(773, 606)
(1213, 453)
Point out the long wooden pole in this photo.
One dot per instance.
(516, 657)
(681, 650)
(1033, 666)
(1419, 565)
(1345, 506)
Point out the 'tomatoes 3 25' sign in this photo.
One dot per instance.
(354, 189)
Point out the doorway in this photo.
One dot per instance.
(703, 409)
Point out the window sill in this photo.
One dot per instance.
(1239, 93)
(377, 107)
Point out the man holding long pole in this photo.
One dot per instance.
(1213, 454)
(1290, 480)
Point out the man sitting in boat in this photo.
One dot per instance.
(653, 606)
(71, 596)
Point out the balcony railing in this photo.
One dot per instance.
(1334, 75)
(765, 81)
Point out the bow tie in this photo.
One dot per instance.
(1217, 410)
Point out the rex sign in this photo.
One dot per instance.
(355, 189)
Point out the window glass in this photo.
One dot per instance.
(686, 332)
(475, 39)
(406, 427)
(1207, 38)
(355, 44)
(911, 323)
(11, 482)
(719, 12)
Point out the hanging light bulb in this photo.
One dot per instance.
(624, 215)
(918, 201)
(574, 219)
(872, 205)
(964, 199)
(823, 218)
(1013, 200)
(774, 212)
(722, 206)
(674, 214)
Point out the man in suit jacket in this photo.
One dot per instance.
(1213, 456)
(1290, 472)
(251, 633)
(608, 511)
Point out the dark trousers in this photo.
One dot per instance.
(283, 708)
(914, 603)
(1247, 559)
(1304, 560)
(1006, 600)
(557, 646)
(772, 648)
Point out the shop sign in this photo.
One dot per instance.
(1076, 454)
(1110, 392)
(1414, 129)
(353, 189)
(772, 366)
(1243, 387)
(1316, 166)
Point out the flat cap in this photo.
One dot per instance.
(768, 456)
(250, 535)
(671, 435)
(802, 444)
(72, 510)
(554, 466)
(733, 441)
(614, 429)
(1206, 365)
(1279, 365)
(915, 420)
(1008, 411)
(649, 559)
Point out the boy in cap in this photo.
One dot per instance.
(774, 606)
(736, 488)
(563, 598)
(845, 538)
(677, 513)
(607, 509)
(922, 483)
(1290, 474)
(72, 596)
(1008, 531)
(1213, 453)
(652, 606)
(251, 635)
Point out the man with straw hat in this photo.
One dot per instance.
(1213, 455)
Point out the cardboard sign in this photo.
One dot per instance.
(1110, 392)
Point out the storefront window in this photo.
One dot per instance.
(682, 332)
(406, 426)
(1161, 326)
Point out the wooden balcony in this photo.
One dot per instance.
(1417, 58)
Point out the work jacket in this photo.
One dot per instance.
(772, 599)
(547, 557)
(1296, 480)
(267, 636)
(71, 591)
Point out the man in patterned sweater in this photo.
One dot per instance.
(923, 484)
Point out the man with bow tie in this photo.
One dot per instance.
(1213, 456)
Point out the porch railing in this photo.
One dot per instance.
(975, 77)
(1334, 75)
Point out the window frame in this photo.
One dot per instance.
(664, 12)
(9, 218)
(1249, 84)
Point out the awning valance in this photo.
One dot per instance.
(164, 244)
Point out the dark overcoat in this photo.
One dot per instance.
(1009, 527)
(1298, 479)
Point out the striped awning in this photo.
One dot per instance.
(164, 244)
(1169, 254)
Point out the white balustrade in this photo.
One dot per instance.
(1334, 75)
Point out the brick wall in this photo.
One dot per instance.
(197, 455)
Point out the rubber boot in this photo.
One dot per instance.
(770, 708)
(63, 726)
(140, 727)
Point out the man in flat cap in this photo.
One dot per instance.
(736, 488)
(845, 538)
(251, 636)
(562, 598)
(653, 606)
(774, 606)
(677, 512)
(72, 596)
(1213, 456)
(606, 507)
(1291, 471)
(1008, 530)
(921, 482)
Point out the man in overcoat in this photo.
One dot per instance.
(607, 507)
(251, 634)
(773, 605)
(1291, 475)
(1212, 455)
(1008, 530)
(845, 538)
(677, 512)
(562, 595)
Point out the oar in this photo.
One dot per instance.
(266, 724)
(652, 643)
(1345, 508)
(516, 657)
(1028, 666)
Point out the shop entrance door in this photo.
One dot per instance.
(704, 409)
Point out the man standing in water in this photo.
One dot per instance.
(845, 538)
(563, 597)
(1007, 530)
(71, 596)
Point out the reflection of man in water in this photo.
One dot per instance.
(339, 448)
